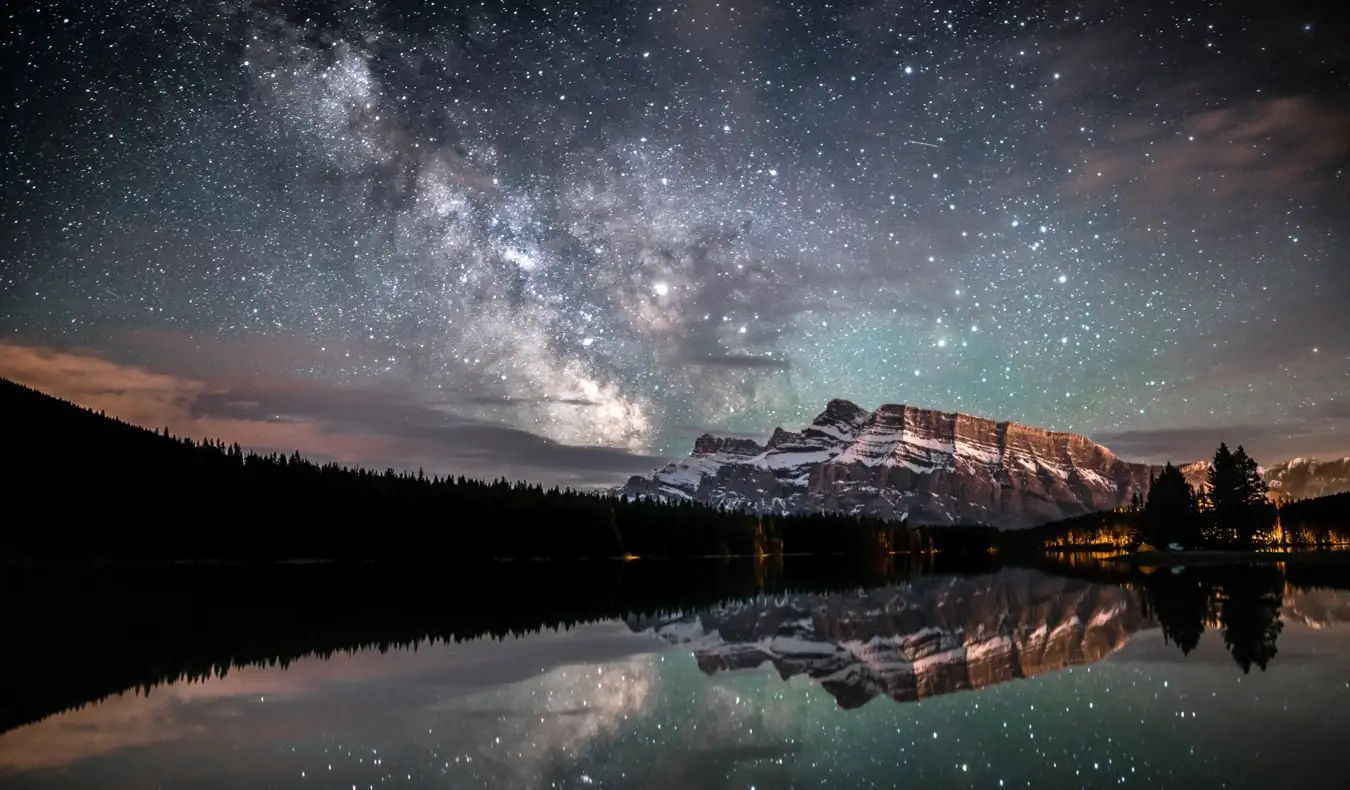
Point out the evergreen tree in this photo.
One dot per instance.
(1225, 493)
(1258, 513)
(1170, 510)
(1240, 508)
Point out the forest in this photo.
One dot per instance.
(1231, 511)
(92, 486)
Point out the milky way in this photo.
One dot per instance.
(623, 224)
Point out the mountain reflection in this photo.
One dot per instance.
(933, 636)
(910, 641)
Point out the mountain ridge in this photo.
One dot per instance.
(1297, 478)
(903, 462)
(933, 467)
(927, 637)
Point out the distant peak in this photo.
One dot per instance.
(707, 444)
(842, 410)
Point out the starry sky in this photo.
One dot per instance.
(559, 240)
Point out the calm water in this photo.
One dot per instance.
(1016, 679)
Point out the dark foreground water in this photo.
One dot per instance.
(1012, 679)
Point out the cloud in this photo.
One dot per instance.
(132, 393)
(1333, 410)
(375, 425)
(1315, 437)
(1282, 145)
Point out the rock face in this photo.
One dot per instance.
(1300, 478)
(1304, 478)
(930, 637)
(897, 462)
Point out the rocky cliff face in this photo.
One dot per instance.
(930, 637)
(1301, 478)
(900, 461)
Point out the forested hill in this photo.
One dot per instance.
(82, 484)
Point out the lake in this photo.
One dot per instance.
(1235, 677)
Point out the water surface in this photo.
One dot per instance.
(1014, 679)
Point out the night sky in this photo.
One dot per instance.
(556, 241)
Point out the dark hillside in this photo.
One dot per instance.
(81, 484)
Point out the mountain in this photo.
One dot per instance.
(1300, 478)
(929, 466)
(1305, 478)
(922, 639)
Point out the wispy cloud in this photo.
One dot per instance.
(1317, 436)
(375, 425)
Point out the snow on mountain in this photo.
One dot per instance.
(916, 640)
(902, 461)
(1298, 478)
(1304, 478)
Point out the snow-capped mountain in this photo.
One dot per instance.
(1299, 478)
(930, 637)
(899, 461)
(1304, 478)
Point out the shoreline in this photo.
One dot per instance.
(1176, 559)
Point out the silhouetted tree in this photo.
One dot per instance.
(1170, 510)
(1324, 521)
(1237, 495)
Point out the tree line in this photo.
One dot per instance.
(88, 485)
(1230, 511)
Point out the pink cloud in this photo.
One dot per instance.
(153, 399)
(1281, 145)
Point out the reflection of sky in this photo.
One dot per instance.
(601, 707)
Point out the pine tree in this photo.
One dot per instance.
(1240, 508)
(1256, 514)
(1225, 493)
(1170, 511)
(1254, 488)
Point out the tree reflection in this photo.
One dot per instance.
(1249, 611)
(1182, 604)
(1243, 603)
